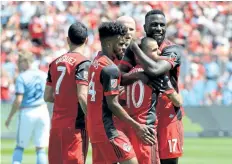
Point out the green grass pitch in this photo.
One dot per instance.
(196, 151)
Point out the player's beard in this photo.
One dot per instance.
(118, 55)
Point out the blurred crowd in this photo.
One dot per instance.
(203, 29)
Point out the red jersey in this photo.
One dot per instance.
(104, 80)
(171, 53)
(141, 101)
(64, 74)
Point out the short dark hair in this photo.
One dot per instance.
(109, 29)
(77, 33)
(154, 12)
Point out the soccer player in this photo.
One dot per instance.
(67, 87)
(141, 101)
(109, 144)
(150, 48)
(129, 22)
(170, 128)
(33, 113)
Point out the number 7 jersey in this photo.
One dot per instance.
(64, 74)
(104, 79)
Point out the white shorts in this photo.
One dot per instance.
(33, 122)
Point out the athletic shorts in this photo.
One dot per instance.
(146, 154)
(68, 146)
(33, 122)
(170, 138)
(115, 150)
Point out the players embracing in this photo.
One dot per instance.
(168, 110)
(153, 106)
(109, 143)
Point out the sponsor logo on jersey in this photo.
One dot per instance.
(126, 147)
(171, 115)
(114, 83)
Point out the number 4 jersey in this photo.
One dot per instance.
(104, 79)
(64, 74)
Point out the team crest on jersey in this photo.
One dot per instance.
(126, 147)
(114, 83)
(173, 56)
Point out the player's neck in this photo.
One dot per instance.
(76, 49)
(26, 68)
(107, 53)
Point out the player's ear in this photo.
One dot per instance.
(144, 27)
(68, 40)
(86, 40)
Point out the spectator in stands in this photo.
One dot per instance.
(202, 28)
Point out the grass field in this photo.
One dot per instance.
(196, 151)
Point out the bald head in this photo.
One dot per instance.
(129, 22)
(126, 19)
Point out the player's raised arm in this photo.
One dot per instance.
(82, 84)
(151, 67)
(49, 92)
(126, 64)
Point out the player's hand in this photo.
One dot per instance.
(146, 134)
(7, 123)
(162, 84)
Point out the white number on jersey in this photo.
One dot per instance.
(61, 69)
(172, 148)
(92, 91)
(131, 94)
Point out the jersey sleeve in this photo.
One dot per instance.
(128, 59)
(19, 86)
(49, 77)
(81, 74)
(110, 79)
(172, 54)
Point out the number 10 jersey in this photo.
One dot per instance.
(141, 101)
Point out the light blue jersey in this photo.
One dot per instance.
(31, 84)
